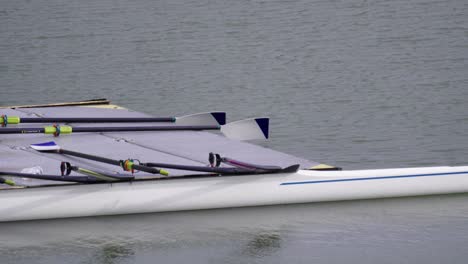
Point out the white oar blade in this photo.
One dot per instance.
(202, 119)
(247, 129)
(46, 146)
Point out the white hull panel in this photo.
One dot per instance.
(224, 192)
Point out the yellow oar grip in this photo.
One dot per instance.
(163, 172)
(54, 130)
(10, 120)
(9, 182)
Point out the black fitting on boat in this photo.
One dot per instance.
(65, 168)
(214, 159)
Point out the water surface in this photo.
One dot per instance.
(357, 84)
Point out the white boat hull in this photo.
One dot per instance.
(227, 191)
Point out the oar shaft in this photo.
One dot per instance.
(227, 171)
(33, 130)
(144, 128)
(96, 119)
(68, 129)
(89, 157)
(198, 168)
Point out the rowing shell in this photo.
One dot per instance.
(210, 192)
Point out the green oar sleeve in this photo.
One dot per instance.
(10, 120)
(60, 130)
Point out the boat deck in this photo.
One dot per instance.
(178, 147)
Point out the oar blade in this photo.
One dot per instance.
(291, 169)
(46, 146)
(247, 129)
(205, 119)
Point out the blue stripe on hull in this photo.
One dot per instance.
(375, 178)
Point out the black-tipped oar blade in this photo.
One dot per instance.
(210, 118)
(291, 169)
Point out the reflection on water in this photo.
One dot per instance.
(112, 253)
(100, 252)
(395, 229)
(263, 244)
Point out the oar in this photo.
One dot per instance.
(79, 179)
(209, 118)
(225, 170)
(251, 169)
(247, 129)
(216, 159)
(217, 170)
(127, 165)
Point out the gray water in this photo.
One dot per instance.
(357, 84)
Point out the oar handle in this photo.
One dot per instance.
(7, 181)
(5, 120)
(150, 170)
(55, 130)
